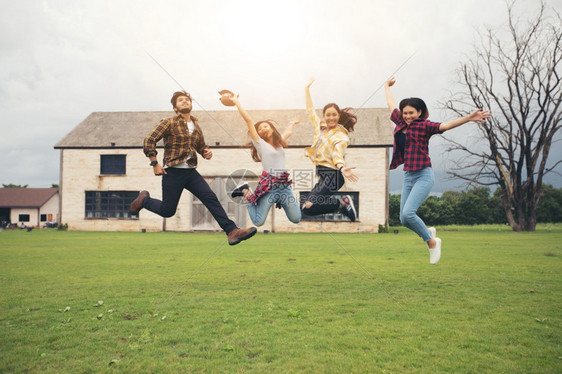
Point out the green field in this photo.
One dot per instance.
(91, 302)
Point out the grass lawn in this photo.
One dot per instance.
(92, 302)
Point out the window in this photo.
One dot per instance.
(43, 217)
(23, 218)
(113, 164)
(110, 204)
(333, 217)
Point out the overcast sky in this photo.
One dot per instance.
(61, 60)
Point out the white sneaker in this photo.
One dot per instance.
(435, 253)
(433, 232)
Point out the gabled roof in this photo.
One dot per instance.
(25, 197)
(221, 128)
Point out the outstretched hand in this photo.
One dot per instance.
(390, 82)
(310, 81)
(479, 115)
(347, 172)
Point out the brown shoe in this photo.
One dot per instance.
(136, 205)
(237, 235)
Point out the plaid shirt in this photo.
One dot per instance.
(266, 183)
(328, 146)
(179, 145)
(416, 150)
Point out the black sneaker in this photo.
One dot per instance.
(348, 209)
(239, 191)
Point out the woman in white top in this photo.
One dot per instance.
(274, 186)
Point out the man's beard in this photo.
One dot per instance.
(185, 110)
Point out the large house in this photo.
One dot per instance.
(103, 168)
(32, 207)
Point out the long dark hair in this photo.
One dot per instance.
(347, 118)
(417, 104)
(277, 138)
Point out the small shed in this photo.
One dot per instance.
(34, 207)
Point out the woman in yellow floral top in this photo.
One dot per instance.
(327, 153)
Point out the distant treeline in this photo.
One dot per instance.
(476, 206)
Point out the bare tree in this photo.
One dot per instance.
(514, 72)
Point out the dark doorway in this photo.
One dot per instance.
(5, 215)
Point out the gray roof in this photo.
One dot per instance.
(224, 128)
(25, 197)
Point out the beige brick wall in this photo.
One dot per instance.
(80, 172)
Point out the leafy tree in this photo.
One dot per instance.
(474, 209)
(482, 192)
(495, 206)
(451, 200)
(446, 213)
(434, 211)
(11, 185)
(394, 210)
(550, 206)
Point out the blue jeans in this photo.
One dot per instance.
(282, 195)
(416, 188)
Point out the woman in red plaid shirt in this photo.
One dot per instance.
(411, 148)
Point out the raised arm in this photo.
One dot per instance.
(307, 94)
(289, 130)
(389, 98)
(249, 122)
(311, 113)
(477, 116)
